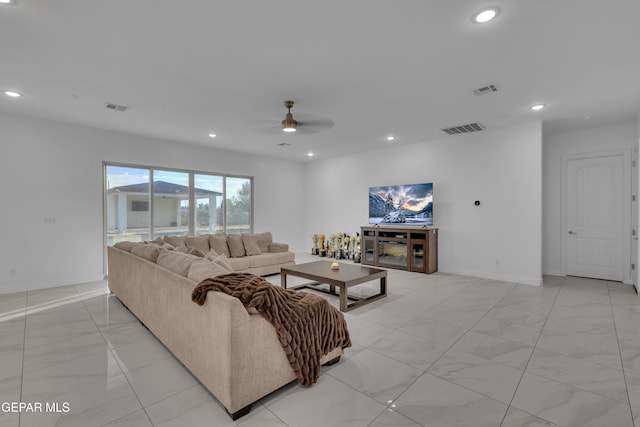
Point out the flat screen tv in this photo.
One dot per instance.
(410, 204)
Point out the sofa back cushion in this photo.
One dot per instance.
(250, 242)
(264, 240)
(178, 262)
(125, 246)
(148, 252)
(174, 240)
(218, 242)
(201, 243)
(203, 269)
(236, 247)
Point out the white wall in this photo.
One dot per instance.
(54, 170)
(500, 239)
(556, 146)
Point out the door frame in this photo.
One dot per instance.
(626, 207)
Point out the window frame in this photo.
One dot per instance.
(192, 198)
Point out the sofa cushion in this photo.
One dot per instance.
(125, 246)
(168, 246)
(203, 269)
(201, 243)
(264, 240)
(218, 242)
(225, 262)
(195, 251)
(239, 263)
(211, 255)
(181, 248)
(177, 262)
(148, 252)
(235, 245)
(174, 240)
(271, 259)
(250, 242)
(278, 247)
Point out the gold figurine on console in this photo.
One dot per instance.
(314, 250)
(323, 250)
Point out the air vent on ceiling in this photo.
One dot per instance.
(115, 107)
(471, 127)
(284, 144)
(485, 90)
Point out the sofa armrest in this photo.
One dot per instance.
(278, 247)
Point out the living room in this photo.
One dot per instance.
(52, 160)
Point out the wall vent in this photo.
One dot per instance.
(471, 127)
(486, 90)
(284, 144)
(115, 107)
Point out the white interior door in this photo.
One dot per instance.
(595, 217)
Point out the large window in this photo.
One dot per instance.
(180, 203)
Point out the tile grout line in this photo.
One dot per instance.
(624, 374)
(524, 370)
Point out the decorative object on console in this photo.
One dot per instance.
(347, 240)
(332, 245)
(339, 252)
(323, 249)
(401, 204)
(315, 250)
(357, 255)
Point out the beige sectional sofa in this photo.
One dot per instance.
(254, 253)
(235, 354)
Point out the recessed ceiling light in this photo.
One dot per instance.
(485, 15)
(537, 107)
(12, 93)
(310, 154)
(212, 135)
(8, 2)
(391, 138)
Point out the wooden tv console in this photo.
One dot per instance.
(406, 248)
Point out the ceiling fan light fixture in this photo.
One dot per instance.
(289, 124)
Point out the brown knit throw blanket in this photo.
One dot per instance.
(307, 325)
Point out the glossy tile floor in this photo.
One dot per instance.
(440, 350)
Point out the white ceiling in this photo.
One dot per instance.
(407, 68)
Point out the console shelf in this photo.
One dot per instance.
(406, 248)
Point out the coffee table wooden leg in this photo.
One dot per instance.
(343, 299)
(383, 285)
(283, 280)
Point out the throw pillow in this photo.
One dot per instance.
(125, 246)
(181, 248)
(177, 262)
(224, 262)
(201, 243)
(235, 245)
(203, 269)
(264, 240)
(174, 240)
(168, 247)
(218, 242)
(148, 252)
(195, 251)
(211, 255)
(250, 242)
